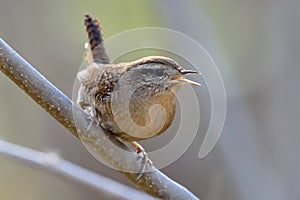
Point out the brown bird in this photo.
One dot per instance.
(123, 97)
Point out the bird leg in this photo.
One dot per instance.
(146, 161)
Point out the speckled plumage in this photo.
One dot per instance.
(98, 82)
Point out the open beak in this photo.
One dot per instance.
(180, 78)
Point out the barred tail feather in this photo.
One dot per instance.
(93, 30)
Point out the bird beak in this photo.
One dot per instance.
(187, 71)
(183, 80)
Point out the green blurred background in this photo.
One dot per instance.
(256, 46)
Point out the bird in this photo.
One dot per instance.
(119, 96)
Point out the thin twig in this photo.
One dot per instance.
(51, 163)
(62, 109)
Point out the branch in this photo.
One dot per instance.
(51, 163)
(62, 109)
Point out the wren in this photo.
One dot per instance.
(106, 89)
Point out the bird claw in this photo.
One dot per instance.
(145, 162)
(142, 155)
(92, 119)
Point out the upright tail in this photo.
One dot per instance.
(93, 30)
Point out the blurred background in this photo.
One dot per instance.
(256, 46)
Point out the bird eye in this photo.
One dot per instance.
(159, 72)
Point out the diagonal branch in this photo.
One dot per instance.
(62, 108)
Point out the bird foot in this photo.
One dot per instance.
(146, 162)
(92, 118)
(142, 155)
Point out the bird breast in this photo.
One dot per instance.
(141, 117)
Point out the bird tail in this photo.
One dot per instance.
(93, 30)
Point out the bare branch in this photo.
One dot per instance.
(51, 163)
(60, 107)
